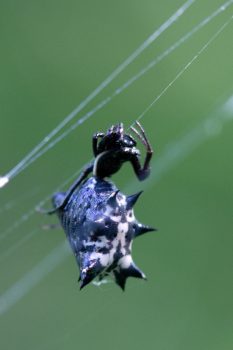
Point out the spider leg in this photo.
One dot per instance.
(87, 170)
(149, 150)
(142, 172)
(138, 135)
(95, 138)
(142, 136)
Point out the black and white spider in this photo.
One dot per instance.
(97, 218)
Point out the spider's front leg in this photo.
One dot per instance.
(142, 172)
(95, 138)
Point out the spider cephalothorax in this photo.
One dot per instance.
(98, 219)
(115, 148)
(114, 139)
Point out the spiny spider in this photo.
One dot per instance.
(97, 218)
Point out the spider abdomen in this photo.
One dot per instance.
(100, 225)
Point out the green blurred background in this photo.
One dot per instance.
(53, 54)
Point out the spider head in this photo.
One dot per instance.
(116, 139)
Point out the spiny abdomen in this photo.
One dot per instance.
(100, 225)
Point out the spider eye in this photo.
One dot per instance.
(128, 141)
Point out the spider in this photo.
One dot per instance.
(114, 149)
(97, 218)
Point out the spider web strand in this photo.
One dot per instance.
(182, 71)
(127, 84)
(25, 161)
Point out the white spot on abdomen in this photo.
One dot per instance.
(130, 216)
(121, 199)
(125, 261)
(123, 228)
(103, 258)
